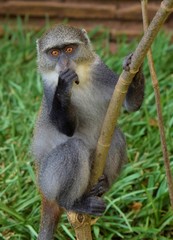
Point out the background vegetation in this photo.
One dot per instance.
(138, 204)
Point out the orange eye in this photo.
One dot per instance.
(55, 53)
(69, 49)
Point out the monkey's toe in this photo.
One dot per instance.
(100, 187)
(90, 205)
(96, 206)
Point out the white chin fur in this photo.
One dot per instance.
(51, 78)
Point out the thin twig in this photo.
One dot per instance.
(158, 105)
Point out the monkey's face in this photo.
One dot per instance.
(62, 57)
(63, 47)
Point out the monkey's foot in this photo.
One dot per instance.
(127, 62)
(100, 187)
(90, 205)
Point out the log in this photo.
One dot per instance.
(123, 10)
(58, 9)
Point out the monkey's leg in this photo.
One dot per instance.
(50, 214)
(64, 177)
(135, 94)
(117, 156)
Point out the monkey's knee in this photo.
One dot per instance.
(48, 184)
(64, 174)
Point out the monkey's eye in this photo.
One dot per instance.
(54, 52)
(70, 48)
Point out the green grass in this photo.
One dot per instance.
(142, 180)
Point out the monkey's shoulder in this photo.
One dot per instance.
(103, 75)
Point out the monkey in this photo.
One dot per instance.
(77, 88)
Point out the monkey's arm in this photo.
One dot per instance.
(135, 94)
(107, 81)
(62, 113)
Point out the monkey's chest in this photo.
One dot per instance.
(89, 105)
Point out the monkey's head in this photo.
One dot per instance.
(63, 47)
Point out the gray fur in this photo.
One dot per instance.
(58, 179)
(64, 162)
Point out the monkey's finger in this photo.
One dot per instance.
(96, 206)
(67, 74)
(71, 76)
(64, 72)
(127, 62)
(100, 187)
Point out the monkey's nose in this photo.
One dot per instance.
(63, 62)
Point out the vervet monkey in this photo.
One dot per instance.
(77, 89)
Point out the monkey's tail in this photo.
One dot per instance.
(50, 214)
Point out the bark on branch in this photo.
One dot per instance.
(113, 112)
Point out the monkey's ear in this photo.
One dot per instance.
(86, 36)
(84, 31)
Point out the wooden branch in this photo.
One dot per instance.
(122, 87)
(118, 97)
(158, 105)
(81, 224)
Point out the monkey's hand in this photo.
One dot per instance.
(91, 202)
(100, 187)
(62, 112)
(66, 79)
(138, 78)
(127, 62)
